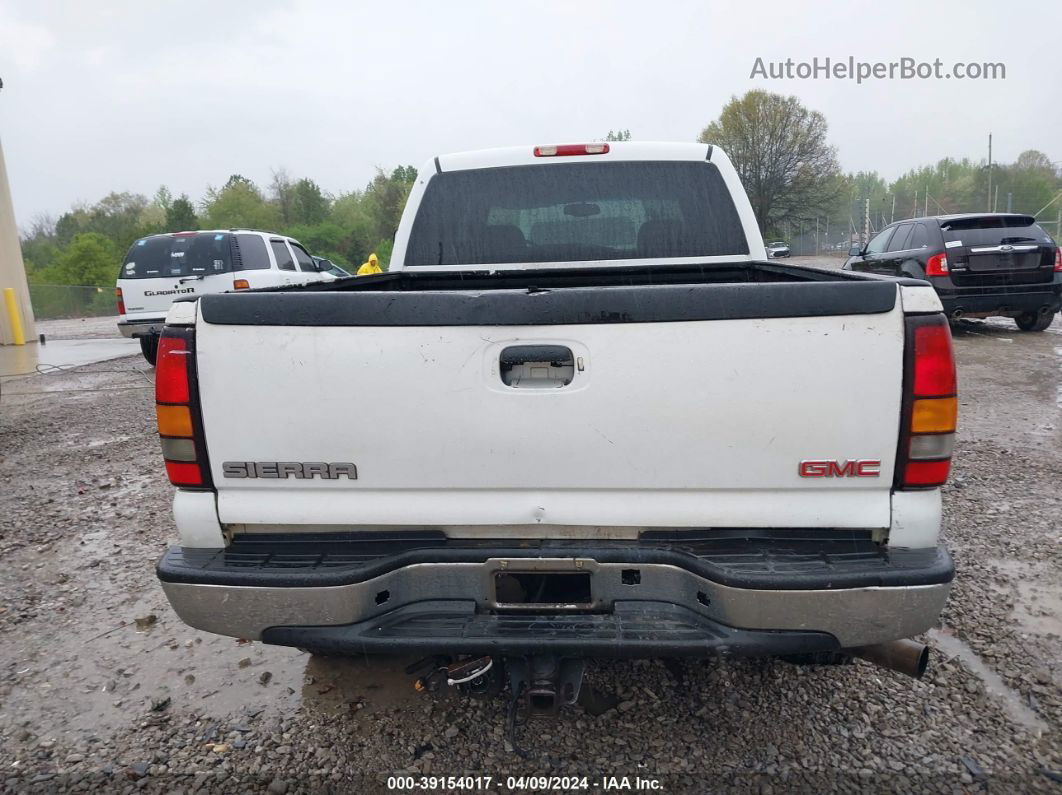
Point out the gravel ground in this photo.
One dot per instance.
(103, 689)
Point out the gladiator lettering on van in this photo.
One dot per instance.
(169, 292)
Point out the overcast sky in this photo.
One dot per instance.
(106, 95)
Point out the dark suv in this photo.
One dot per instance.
(981, 264)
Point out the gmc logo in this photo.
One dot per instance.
(850, 468)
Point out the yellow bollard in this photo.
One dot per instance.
(18, 337)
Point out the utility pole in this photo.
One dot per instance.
(995, 199)
(1010, 196)
(816, 236)
(12, 270)
(990, 172)
(866, 222)
(893, 213)
(926, 211)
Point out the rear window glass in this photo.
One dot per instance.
(251, 254)
(575, 212)
(280, 251)
(994, 231)
(166, 256)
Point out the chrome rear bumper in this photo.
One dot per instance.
(140, 328)
(852, 616)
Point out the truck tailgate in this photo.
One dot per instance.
(700, 423)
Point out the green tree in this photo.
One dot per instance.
(180, 217)
(328, 240)
(39, 243)
(282, 191)
(310, 206)
(163, 197)
(351, 214)
(386, 197)
(239, 179)
(120, 217)
(239, 205)
(70, 224)
(90, 259)
(1034, 160)
(780, 151)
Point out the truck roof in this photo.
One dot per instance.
(525, 155)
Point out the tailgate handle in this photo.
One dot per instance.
(537, 366)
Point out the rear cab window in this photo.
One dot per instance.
(251, 254)
(168, 256)
(575, 212)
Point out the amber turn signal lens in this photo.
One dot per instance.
(934, 415)
(174, 420)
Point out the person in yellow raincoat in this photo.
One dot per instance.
(372, 265)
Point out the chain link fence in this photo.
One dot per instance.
(62, 301)
(828, 235)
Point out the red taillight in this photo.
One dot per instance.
(120, 299)
(934, 363)
(171, 371)
(937, 265)
(566, 150)
(182, 473)
(1058, 260)
(926, 474)
(176, 407)
(930, 406)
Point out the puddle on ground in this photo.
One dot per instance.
(1038, 598)
(106, 651)
(1009, 700)
(1058, 389)
(96, 683)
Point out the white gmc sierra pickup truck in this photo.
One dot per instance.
(582, 416)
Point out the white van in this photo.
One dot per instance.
(160, 268)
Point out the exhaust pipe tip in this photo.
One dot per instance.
(904, 656)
